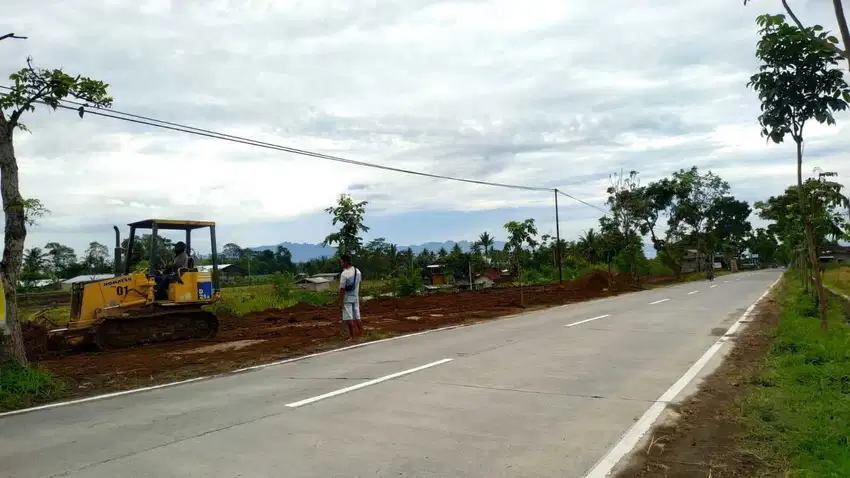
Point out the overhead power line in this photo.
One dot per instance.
(579, 200)
(148, 121)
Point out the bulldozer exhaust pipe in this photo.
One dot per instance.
(117, 260)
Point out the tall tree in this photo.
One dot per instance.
(797, 82)
(97, 258)
(486, 241)
(626, 201)
(34, 264)
(699, 195)
(30, 86)
(828, 42)
(590, 246)
(349, 215)
(62, 259)
(520, 235)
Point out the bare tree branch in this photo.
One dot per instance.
(12, 35)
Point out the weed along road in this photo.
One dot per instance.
(548, 393)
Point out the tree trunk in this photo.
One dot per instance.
(13, 247)
(842, 27)
(810, 240)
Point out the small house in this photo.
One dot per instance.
(225, 270)
(313, 284)
(435, 275)
(330, 276)
(483, 282)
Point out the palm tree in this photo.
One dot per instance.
(486, 241)
(590, 246)
(35, 261)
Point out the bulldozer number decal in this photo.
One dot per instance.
(121, 290)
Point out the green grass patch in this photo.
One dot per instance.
(23, 387)
(797, 415)
(838, 278)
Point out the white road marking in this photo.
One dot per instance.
(658, 301)
(208, 377)
(628, 441)
(693, 292)
(308, 401)
(587, 320)
(726, 282)
(713, 286)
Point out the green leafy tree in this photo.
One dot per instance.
(520, 235)
(31, 86)
(729, 226)
(97, 258)
(828, 42)
(627, 205)
(797, 82)
(763, 243)
(349, 215)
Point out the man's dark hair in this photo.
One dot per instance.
(345, 258)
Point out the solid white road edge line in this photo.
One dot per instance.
(352, 388)
(587, 320)
(658, 301)
(208, 377)
(628, 441)
(693, 292)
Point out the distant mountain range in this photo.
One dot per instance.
(302, 252)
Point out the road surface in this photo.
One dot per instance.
(543, 394)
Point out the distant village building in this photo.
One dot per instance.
(69, 283)
(313, 284)
(330, 276)
(225, 270)
(434, 275)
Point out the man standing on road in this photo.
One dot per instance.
(349, 297)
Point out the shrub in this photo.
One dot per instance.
(21, 386)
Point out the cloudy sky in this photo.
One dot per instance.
(542, 93)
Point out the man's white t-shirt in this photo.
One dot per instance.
(350, 276)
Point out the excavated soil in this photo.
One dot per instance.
(302, 329)
(702, 441)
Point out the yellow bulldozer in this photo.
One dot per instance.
(153, 305)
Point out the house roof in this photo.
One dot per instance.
(208, 267)
(88, 278)
(313, 280)
(326, 274)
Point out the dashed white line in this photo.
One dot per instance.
(587, 320)
(726, 282)
(310, 400)
(713, 286)
(658, 301)
(693, 292)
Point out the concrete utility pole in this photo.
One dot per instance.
(558, 240)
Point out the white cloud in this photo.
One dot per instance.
(542, 93)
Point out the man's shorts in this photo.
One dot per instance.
(351, 311)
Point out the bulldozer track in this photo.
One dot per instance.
(163, 327)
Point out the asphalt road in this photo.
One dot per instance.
(538, 395)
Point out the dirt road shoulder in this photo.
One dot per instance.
(702, 438)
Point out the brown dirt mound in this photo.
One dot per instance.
(35, 339)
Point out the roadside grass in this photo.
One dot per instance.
(58, 315)
(838, 278)
(23, 387)
(796, 417)
(238, 301)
